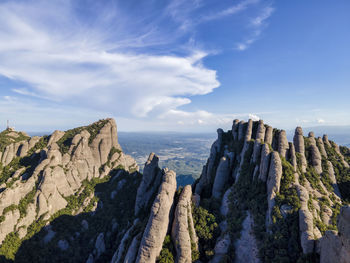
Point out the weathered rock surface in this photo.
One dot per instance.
(335, 247)
(306, 225)
(221, 178)
(268, 135)
(154, 234)
(316, 159)
(264, 162)
(151, 179)
(246, 247)
(299, 145)
(273, 183)
(183, 232)
(283, 144)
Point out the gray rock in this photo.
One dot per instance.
(240, 130)
(221, 248)
(264, 162)
(268, 135)
(273, 183)
(155, 232)
(256, 151)
(183, 232)
(299, 145)
(63, 244)
(260, 133)
(118, 255)
(335, 247)
(292, 156)
(225, 203)
(283, 144)
(306, 225)
(246, 247)
(333, 179)
(100, 247)
(90, 259)
(321, 147)
(150, 181)
(249, 131)
(235, 129)
(7, 226)
(316, 159)
(132, 251)
(49, 236)
(84, 224)
(221, 178)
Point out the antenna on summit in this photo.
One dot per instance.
(8, 125)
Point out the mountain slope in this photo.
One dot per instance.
(75, 196)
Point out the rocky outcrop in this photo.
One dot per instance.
(335, 247)
(316, 159)
(183, 233)
(292, 157)
(299, 145)
(235, 129)
(268, 135)
(273, 183)
(306, 225)
(246, 247)
(321, 147)
(154, 234)
(221, 178)
(151, 179)
(283, 144)
(333, 179)
(264, 162)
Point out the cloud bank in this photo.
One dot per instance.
(96, 57)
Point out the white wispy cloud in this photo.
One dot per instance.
(98, 61)
(257, 24)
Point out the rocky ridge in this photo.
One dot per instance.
(75, 197)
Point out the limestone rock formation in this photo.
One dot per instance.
(335, 247)
(150, 181)
(316, 159)
(183, 232)
(154, 234)
(273, 183)
(222, 175)
(255, 192)
(246, 246)
(283, 144)
(299, 145)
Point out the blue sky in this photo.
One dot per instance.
(174, 65)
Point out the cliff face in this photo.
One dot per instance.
(75, 197)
